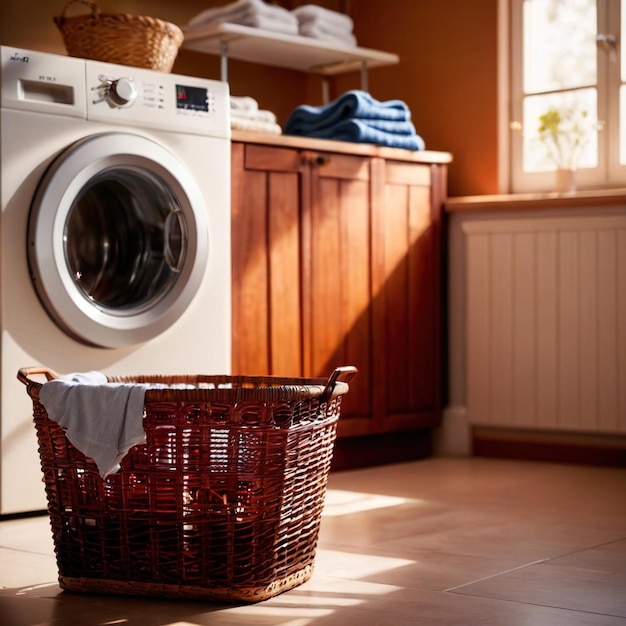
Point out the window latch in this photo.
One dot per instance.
(608, 42)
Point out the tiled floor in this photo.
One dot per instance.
(439, 541)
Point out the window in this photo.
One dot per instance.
(565, 69)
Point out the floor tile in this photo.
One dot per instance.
(433, 542)
(592, 580)
(31, 534)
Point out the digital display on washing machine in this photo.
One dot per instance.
(192, 98)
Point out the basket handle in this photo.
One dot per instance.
(341, 374)
(95, 9)
(24, 373)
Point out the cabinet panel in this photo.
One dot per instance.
(407, 174)
(285, 327)
(270, 159)
(341, 166)
(249, 266)
(424, 302)
(266, 269)
(394, 239)
(409, 275)
(339, 289)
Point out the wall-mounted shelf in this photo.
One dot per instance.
(304, 54)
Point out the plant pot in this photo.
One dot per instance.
(565, 180)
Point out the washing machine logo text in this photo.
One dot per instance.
(17, 57)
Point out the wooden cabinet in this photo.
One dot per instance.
(337, 261)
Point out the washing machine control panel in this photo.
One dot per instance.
(153, 99)
(117, 94)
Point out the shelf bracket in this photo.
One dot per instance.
(224, 61)
(364, 85)
(325, 90)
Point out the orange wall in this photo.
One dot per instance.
(447, 75)
(447, 72)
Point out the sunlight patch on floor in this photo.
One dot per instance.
(355, 566)
(317, 598)
(339, 502)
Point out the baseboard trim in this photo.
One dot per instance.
(453, 436)
(381, 449)
(581, 448)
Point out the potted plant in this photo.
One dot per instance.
(565, 132)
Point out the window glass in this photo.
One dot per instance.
(622, 125)
(559, 44)
(622, 90)
(574, 143)
(623, 48)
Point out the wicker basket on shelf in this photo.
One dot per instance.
(120, 38)
(222, 502)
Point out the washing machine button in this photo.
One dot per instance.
(122, 92)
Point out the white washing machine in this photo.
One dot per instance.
(115, 226)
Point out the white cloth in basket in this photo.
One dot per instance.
(103, 420)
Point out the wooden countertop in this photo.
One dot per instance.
(328, 145)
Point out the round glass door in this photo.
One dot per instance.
(118, 239)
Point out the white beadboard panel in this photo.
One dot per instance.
(546, 323)
(608, 350)
(621, 325)
(524, 329)
(589, 277)
(547, 326)
(568, 325)
(501, 315)
(478, 331)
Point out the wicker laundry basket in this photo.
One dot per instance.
(120, 38)
(222, 502)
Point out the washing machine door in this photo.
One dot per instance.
(117, 239)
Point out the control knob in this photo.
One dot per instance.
(122, 92)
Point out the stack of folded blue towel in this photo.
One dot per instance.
(358, 117)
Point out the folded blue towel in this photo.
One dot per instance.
(359, 131)
(354, 104)
(387, 126)
(357, 117)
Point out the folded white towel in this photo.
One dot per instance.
(254, 13)
(238, 9)
(103, 420)
(318, 31)
(309, 12)
(258, 116)
(243, 103)
(326, 27)
(259, 126)
(267, 22)
(246, 115)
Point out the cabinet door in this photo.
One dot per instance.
(407, 203)
(267, 321)
(337, 314)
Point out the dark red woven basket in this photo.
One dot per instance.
(222, 502)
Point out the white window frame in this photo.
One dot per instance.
(512, 178)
